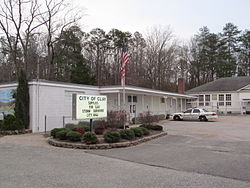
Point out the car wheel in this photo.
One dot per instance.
(177, 118)
(203, 118)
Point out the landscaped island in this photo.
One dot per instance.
(103, 135)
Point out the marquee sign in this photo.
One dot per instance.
(89, 106)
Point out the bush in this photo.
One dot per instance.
(116, 119)
(73, 136)
(90, 138)
(112, 136)
(11, 123)
(157, 127)
(99, 129)
(54, 131)
(138, 132)
(153, 127)
(70, 125)
(81, 125)
(127, 134)
(62, 135)
(145, 131)
(80, 130)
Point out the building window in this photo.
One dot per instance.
(201, 100)
(214, 97)
(130, 98)
(134, 98)
(221, 100)
(228, 97)
(162, 100)
(207, 100)
(228, 100)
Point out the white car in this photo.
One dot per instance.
(194, 114)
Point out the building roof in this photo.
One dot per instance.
(102, 89)
(222, 84)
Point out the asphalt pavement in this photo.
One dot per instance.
(192, 155)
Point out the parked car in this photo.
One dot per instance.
(194, 114)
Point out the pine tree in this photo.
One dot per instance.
(22, 101)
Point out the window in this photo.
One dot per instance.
(162, 100)
(228, 97)
(214, 97)
(134, 98)
(196, 111)
(130, 98)
(221, 100)
(188, 111)
(207, 100)
(201, 100)
(228, 100)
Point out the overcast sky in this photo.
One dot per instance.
(184, 16)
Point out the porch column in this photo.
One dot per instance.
(176, 104)
(142, 103)
(181, 105)
(119, 100)
(166, 104)
(152, 103)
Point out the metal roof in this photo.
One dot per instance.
(222, 84)
(103, 89)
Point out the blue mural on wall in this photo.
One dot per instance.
(7, 102)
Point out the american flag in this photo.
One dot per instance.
(124, 61)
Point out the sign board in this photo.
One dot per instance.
(89, 106)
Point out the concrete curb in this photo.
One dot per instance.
(15, 132)
(57, 143)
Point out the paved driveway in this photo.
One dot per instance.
(194, 154)
(220, 148)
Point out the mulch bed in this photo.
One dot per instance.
(103, 145)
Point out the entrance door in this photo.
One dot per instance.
(132, 110)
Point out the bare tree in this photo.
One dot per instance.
(58, 16)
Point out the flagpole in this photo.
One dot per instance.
(124, 103)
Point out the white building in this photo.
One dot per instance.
(51, 102)
(225, 95)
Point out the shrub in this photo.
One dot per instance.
(73, 127)
(83, 123)
(73, 136)
(62, 135)
(116, 119)
(99, 129)
(157, 127)
(11, 123)
(153, 127)
(127, 134)
(54, 131)
(138, 132)
(80, 130)
(70, 125)
(90, 138)
(145, 130)
(112, 136)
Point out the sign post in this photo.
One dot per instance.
(89, 107)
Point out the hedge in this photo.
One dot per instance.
(90, 138)
(112, 137)
(127, 134)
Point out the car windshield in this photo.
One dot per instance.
(204, 110)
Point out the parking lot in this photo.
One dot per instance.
(194, 154)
